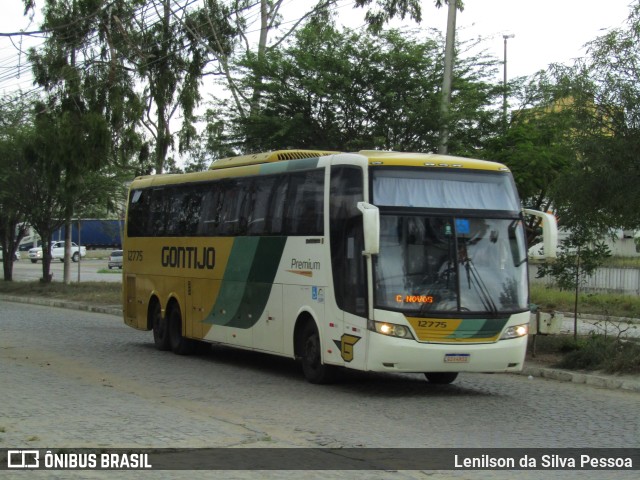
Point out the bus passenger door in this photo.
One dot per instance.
(348, 264)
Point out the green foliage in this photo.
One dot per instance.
(15, 134)
(344, 90)
(606, 90)
(598, 352)
(581, 253)
(385, 10)
(579, 256)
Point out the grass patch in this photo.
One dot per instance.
(591, 352)
(95, 293)
(610, 304)
(110, 270)
(622, 262)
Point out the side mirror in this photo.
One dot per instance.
(549, 232)
(371, 227)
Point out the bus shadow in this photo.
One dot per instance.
(381, 385)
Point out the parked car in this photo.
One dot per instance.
(115, 259)
(57, 251)
(17, 256)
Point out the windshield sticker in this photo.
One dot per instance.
(462, 226)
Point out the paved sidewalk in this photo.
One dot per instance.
(531, 368)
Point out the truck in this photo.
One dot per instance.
(94, 233)
(57, 251)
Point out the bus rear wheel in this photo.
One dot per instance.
(314, 370)
(160, 328)
(179, 344)
(441, 378)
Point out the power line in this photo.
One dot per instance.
(145, 15)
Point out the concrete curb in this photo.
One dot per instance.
(611, 382)
(59, 303)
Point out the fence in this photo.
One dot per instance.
(605, 280)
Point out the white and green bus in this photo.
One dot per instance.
(375, 261)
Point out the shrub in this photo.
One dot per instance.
(598, 352)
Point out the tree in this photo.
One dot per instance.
(43, 199)
(169, 48)
(606, 90)
(244, 68)
(581, 253)
(71, 121)
(539, 142)
(349, 90)
(15, 132)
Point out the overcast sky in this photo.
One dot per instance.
(546, 31)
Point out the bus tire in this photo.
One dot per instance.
(179, 344)
(313, 368)
(160, 328)
(441, 378)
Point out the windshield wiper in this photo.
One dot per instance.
(480, 287)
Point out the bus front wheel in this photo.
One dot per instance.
(314, 370)
(179, 344)
(441, 378)
(160, 328)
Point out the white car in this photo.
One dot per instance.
(17, 255)
(57, 251)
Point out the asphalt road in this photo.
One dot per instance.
(78, 379)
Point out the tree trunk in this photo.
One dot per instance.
(7, 267)
(575, 303)
(67, 250)
(46, 259)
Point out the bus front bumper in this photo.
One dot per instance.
(390, 354)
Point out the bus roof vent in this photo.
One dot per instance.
(267, 157)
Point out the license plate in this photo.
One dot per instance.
(457, 357)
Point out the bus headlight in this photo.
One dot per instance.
(390, 329)
(515, 331)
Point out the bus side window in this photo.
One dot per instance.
(137, 223)
(305, 203)
(232, 209)
(158, 212)
(277, 202)
(210, 217)
(185, 205)
(258, 206)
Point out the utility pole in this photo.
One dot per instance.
(449, 51)
(504, 82)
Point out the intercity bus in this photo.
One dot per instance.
(374, 261)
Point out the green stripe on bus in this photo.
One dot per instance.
(246, 286)
(289, 166)
(477, 328)
(259, 283)
(235, 277)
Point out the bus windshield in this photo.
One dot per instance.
(450, 242)
(440, 264)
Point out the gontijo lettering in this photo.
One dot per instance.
(189, 257)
